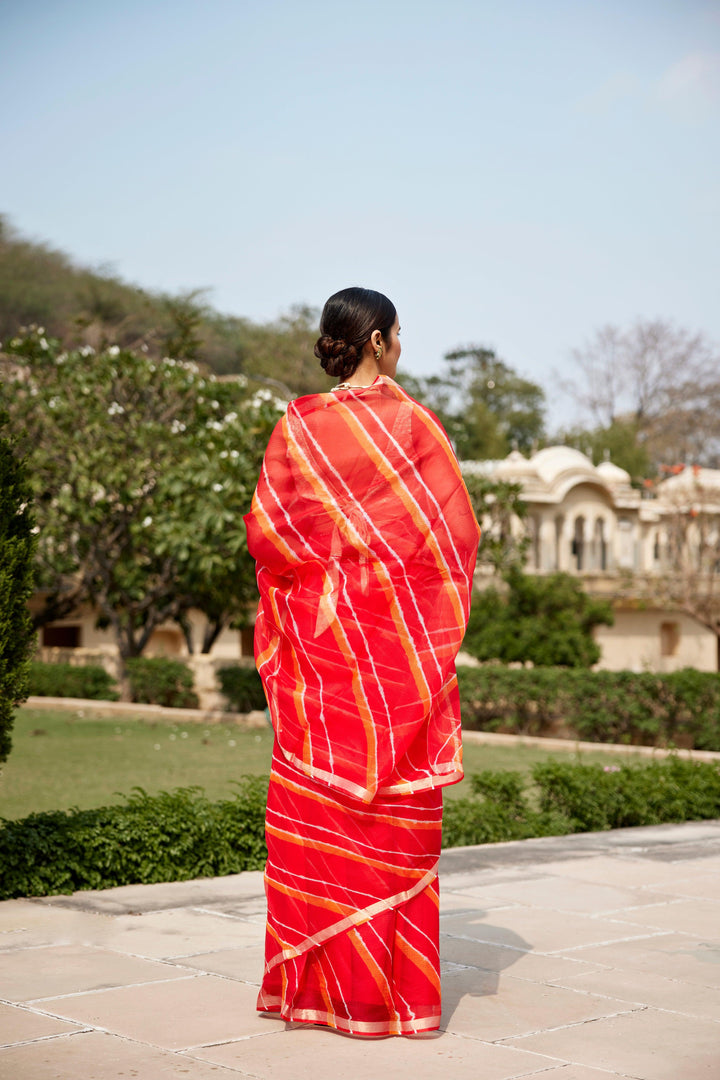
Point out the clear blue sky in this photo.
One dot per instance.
(514, 174)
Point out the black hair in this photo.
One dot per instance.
(346, 325)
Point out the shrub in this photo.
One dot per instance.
(17, 548)
(242, 688)
(548, 620)
(178, 835)
(172, 836)
(70, 680)
(598, 706)
(161, 681)
(594, 797)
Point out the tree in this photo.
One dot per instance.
(486, 407)
(661, 380)
(546, 620)
(142, 470)
(689, 547)
(17, 545)
(501, 512)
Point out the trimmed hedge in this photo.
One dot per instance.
(573, 798)
(161, 681)
(168, 837)
(71, 680)
(242, 688)
(679, 708)
(179, 835)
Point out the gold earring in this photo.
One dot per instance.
(378, 354)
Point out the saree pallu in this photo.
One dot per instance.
(365, 544)
(352, 931)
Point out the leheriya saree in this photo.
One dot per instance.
(365, 543)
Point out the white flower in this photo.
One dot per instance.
(156, 746)
(115, 409)
(43, 343)
(35, 530)
(52, 403)
(41, 329)
(230, 417)
(234, 454)
(87, 350)
(183, 734)
(168, 361)
(61, 358)
(215, 404)
(176, 427)
(147, 521)
(223, 454)
(113, 350)
(217, 487)
(231, 742)
(144, 348)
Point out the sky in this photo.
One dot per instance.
(514, 175)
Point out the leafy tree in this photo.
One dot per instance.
(485, 406)
(501, 512)
(17, 544)
(546, 620)
(142, 470)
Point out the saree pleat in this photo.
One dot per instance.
(352, 930)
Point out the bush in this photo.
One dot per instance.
(168, 837)
(242, 688)
(70, 680)
(161, 681)
(595, 797)
(17, 549)
(597, 706)
(548, 620)
(180, 834)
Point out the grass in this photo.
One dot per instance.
(62, 759)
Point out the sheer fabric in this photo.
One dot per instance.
(365, 543)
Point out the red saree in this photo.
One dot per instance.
(365, 543)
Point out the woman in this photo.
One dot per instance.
(365, 543)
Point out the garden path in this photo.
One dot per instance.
(586, 957)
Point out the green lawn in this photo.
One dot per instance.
(62, 759)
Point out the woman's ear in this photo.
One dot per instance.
(376, 340)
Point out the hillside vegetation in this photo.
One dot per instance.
(80, 306)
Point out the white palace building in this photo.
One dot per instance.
(589, 521)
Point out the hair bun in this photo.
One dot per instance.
(337, 358)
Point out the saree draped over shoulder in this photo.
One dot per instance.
(365, 543)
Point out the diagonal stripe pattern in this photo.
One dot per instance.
(365, 543)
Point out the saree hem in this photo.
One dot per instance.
(272, 1005)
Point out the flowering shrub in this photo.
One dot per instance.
(144, 468)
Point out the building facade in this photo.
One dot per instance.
(589, 521)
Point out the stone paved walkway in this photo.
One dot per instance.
(569, 958)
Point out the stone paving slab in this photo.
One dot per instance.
(593, 957)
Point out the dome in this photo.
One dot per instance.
(613, 474)
(554, 460)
